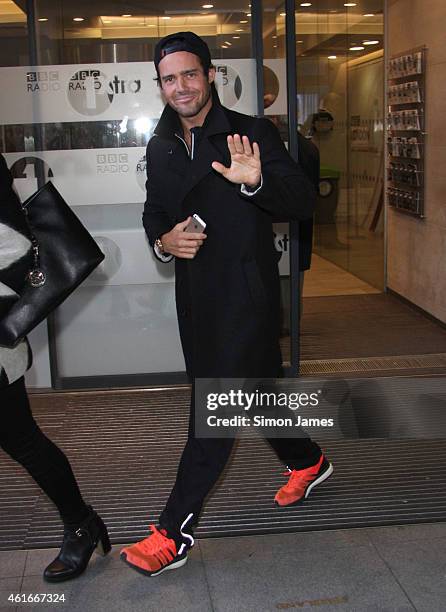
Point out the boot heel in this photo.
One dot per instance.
(103, 547)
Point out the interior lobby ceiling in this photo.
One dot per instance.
(141, 8)
(325, 28)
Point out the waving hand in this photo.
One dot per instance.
(245, 165)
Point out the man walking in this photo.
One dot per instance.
(235, 173)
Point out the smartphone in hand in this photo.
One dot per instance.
(196, 225)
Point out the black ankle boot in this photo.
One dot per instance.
(79, 543)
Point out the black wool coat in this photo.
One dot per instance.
(228, 296)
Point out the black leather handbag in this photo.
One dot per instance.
(64, 254)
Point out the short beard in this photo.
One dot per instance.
(195, 112)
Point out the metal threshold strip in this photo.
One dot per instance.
(434, 361)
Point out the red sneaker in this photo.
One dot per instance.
(154, 554)
(301, 482)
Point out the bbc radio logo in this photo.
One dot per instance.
(141, 172)
(90, 92)
(42, 81)
(112, 163)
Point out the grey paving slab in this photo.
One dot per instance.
(9, 586)
(279, 572)
(407, 533)
(420, 568)
(32, 585)
(38, 559)
(121, 588)
(12, 563)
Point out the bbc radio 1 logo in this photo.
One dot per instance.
(112, 163)
(91, 92)
(30, 168)
(42, 81)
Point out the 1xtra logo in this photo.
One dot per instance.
(281, 242)
(112, 163)
(90, 92)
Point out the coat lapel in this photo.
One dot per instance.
(202, 165)
(212, 145)
(177, 161)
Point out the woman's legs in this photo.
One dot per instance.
(22, 439)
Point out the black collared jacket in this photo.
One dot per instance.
(228, 296)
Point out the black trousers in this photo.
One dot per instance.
(201, 464)
(22, 439)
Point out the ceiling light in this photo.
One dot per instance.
(240, 30)
(165, 17)
(370, 42)
(208, 6)
(305, 3)
(224, 47)
(78, 19)
(125, 15)
(244, 21)
(248, 14)
(332, 57)
(275, 46)
(299, 41)
(356, 48)
(236, 37)
(43, 19)
(349, 3)
(282, 14)
(369, 15)
(228, 43)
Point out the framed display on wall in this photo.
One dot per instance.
(406, 131)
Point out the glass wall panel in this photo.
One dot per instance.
(95, 103)
(275, 109)
(340, 75)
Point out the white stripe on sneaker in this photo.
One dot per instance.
(187, 535)
(321, 478)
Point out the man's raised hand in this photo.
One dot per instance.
(245, 165)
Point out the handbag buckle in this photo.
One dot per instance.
(36, 278)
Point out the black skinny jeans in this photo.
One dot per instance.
(202, 463)
(22, 439)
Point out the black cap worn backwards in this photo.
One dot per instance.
(182, 41)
